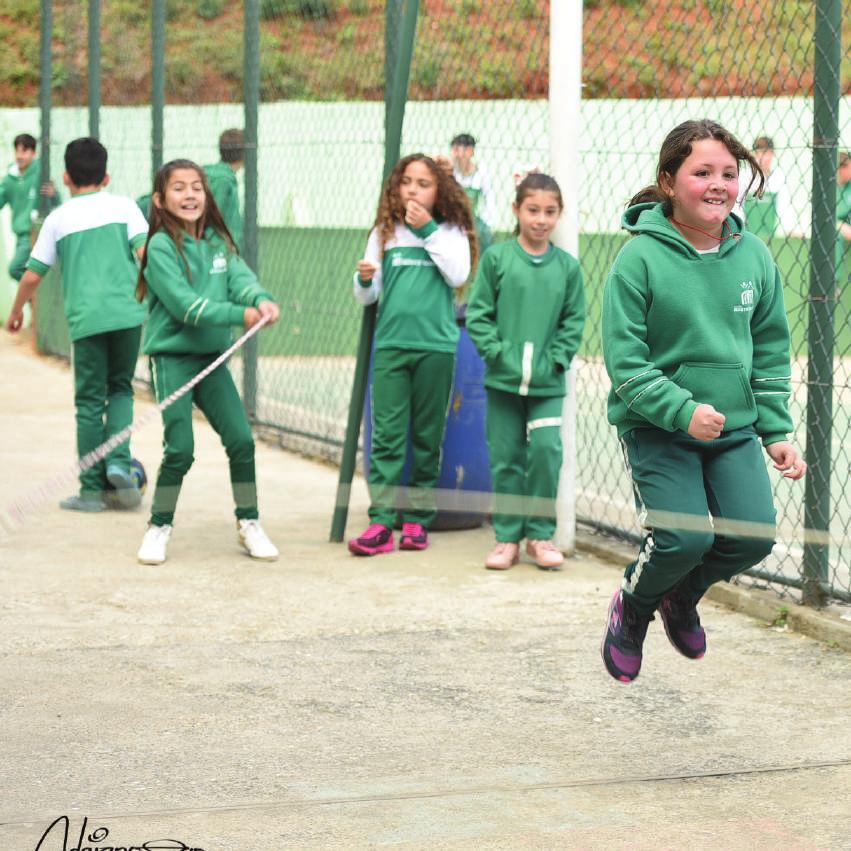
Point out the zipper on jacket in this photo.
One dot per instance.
(526, 368)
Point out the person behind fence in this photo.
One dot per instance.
(198, 288)
(422, 247)
(222, 179)
(843, 218)
(476, 182)
(526, 317)
(19, 189)
(696, 345)
(772, 212)
(94, 236)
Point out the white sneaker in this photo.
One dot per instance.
(154, 545)
(255, 540)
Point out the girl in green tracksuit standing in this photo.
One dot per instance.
(696, 344)
(526, 317)
(198, 288)
(421, 248)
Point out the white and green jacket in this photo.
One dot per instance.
(93, 236)
(415, 277)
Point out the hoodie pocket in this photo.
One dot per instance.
(722, 385)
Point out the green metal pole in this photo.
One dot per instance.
(44, 98)
(251, 96)
(822, 299)
(399, 50)
(94, 68)
(157, 83)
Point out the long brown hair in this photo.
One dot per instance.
(451, 203)
(161, 219)
(676, 148)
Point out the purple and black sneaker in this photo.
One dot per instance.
(623, 639)
(682, 624)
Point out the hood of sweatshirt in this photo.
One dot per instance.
(649, 219)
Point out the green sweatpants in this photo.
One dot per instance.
(410, 392)
(23, 246)
(103, 395)
(524, 445)
(679, 482)
(219, 401)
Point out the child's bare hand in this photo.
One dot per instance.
(268, 309)
(366, 270)
(416, 215)
(251, 317)
(15, 321)
(787, 459)
(706, 423)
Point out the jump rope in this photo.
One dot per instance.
(14, 515)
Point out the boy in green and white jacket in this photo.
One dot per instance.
(94, 237)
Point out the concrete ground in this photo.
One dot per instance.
(409, 701)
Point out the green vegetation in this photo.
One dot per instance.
(333, 50)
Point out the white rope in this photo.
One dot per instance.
(14, 515)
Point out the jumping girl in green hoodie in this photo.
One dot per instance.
(526, 317)
(696, 345)
(198, 288)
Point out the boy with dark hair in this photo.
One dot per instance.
(94, 237)
(19, 190)
(222, 179)
(476, 183)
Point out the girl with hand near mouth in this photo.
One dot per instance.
(696, 344)
(198, 288)
(526, 317)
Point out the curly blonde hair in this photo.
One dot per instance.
(451, 204)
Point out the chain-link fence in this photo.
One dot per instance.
(480, 68)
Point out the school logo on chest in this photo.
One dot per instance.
(745, 304)
(220, 264)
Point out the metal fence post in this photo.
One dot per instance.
(822, 302)
(44, 98)
(157, 83)
(251, 97)
(399, 49)
(94, 68)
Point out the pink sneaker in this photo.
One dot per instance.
(414, 537)
(374, 540)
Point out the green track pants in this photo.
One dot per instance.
(410, 392)
(524, 445)
(103, 396)
(219, 401)
(18, 264)
(679, 482)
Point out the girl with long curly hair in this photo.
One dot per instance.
(422, 247)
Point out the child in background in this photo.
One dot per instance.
(18, 189)
(422, 246)
(94, 237)
(223, 184)
(198, 288)
(475, 181)
(526, 317)
(696, 344)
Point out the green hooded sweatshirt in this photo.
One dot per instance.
(20, 192)
(682, 328)
(195, 298)
(526, 317)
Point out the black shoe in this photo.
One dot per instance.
(623, 639)
(682, 624)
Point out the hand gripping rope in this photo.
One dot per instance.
(14, 515)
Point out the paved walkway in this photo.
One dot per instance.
(409, 701)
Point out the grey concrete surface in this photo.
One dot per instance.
(413, 700)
